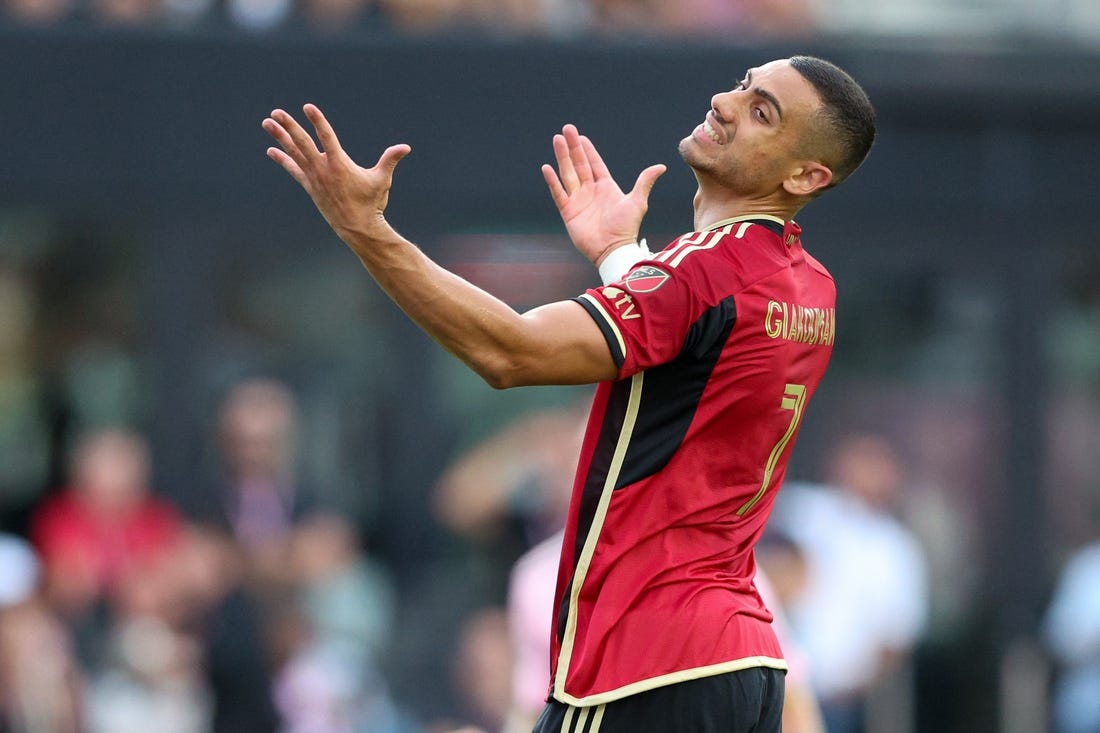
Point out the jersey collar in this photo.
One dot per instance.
(769, 222)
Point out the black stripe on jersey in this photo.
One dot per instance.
(608, 331)
(672, 394)
(770, 225)
(669, 399)
(563, 611)
(613, 418)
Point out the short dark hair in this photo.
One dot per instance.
(848, 115)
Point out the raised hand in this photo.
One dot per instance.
(351, 198)
(597, 214)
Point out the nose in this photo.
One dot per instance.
(723, 105)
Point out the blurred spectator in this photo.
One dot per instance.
(499, 499)
(514, 17)
(258, 16)
(706, 18)
(749, 20)
(481, 670)
(348, 599)
(801, 712)
(781, 579)
(18, 571)
(866, 601)
(784, 562)
(525, 471)
(332, 634)
(520, 475)
(124, 13)
(1072, 632)
(625, 17)
(336, 16)
(38, 12)
(530, 613)
(563, 18)
(106, 527)
(422, 16)
(210, 604)
(257, 497)
(756, 18)
(326, 686)
(40, 684)
(152, 672)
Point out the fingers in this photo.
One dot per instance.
(391, 156)
(288, 165)
(557, 191)
(646, 180)
(294, 139)
(300, 156)
(578, 161)
(595, 161)
(275, 129)
(568, 174)
(329, 142)
(577, 154)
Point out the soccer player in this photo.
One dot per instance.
(706, 354)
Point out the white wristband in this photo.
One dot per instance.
(620, 260)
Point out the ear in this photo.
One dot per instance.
(811, 176)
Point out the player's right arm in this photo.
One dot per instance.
(557, 343)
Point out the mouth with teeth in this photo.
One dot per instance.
(706, 132)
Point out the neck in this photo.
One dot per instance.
(714, 204)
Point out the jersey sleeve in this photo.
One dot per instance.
(649, 316)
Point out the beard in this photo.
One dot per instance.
(703, 166)
(734, 173)
(689, 153)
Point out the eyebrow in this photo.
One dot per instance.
(764, 93)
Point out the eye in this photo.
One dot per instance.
(759, 113)
(740, 87)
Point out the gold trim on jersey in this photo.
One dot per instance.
(610, 322)
(686, 675)
(688, 242)
(746, 217)
(597, 719)
(583, 718)
(568, 719)
(584, 562)
(709, 238)
(709, 242)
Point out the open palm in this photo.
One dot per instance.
(350, 197)
(597, 214)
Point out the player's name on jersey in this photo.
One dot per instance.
(804, 324)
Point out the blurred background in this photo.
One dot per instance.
(239, 492)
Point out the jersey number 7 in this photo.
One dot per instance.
(794, 398)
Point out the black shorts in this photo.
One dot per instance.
(746, 701)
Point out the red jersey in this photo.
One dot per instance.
(721, 340)
(103, 550)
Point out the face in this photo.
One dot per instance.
(753, 136)
(111, 471)
(258, 440)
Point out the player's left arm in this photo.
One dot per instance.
(557, 343)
